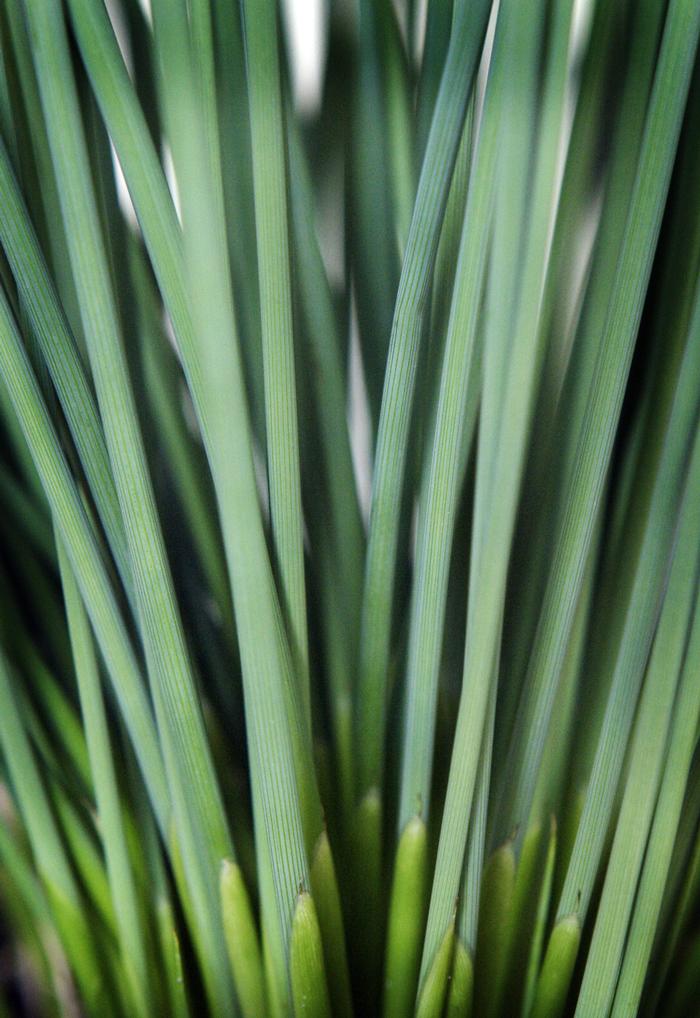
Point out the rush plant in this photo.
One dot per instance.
(350, 529)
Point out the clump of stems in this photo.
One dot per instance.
(350, 544)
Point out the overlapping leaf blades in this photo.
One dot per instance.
(253, 759)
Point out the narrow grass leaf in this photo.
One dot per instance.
(88, 566)
(62, 358)
(57, 877)
(122, 886)
(390, 458)
(274, 271)
(306, 972)
(646, 760)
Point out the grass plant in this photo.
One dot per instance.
(350, 475)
